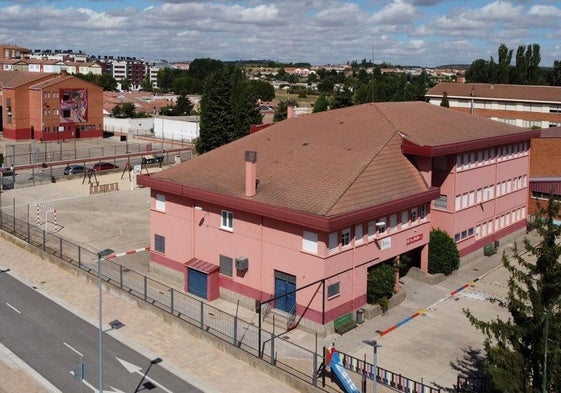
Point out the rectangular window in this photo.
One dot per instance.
(404, 219)
(160, 243)
(371, 229)
(358, 233)
(227, 220)
(471, 198)
(414, 214)
(480, 157)
(478, 196)
(226, 265)
(345, 237)
(333, 241)
(310, 241)
(466, 161)
(498, 189)
(393, 222)
(457, 237)
(472, 160)
(458, 202)
(459, 161)
(381, 226)
(470, 231)
(490, 227)
(161, 202)
(464, 200)
(333, 289)
(423, 211)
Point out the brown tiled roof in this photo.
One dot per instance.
(13, 79)
(551, 132)
(430, 125)
(54, 82)
(498, 91)
(334, 162)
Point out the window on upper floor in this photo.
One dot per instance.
(227, 221)
(358, 233)
(404, 219)
(161, 202)
(310, 241)
(345, 237)
(333, 241)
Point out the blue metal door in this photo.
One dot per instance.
(197, 283)
(284, 284)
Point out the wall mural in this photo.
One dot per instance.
(73, 105)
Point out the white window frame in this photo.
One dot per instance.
(345, 237)
(227, 220)
(160, 202)
(310, 241)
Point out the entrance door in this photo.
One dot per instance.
(197, 283)
(284, 284)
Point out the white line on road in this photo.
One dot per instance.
(73, 349)
(13, 308)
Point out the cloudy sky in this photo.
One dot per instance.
(404, 32)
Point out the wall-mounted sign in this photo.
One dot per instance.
(414, 239)
(385, 243)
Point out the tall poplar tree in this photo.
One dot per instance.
(228, 109)
(515, 348)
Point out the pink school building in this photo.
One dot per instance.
(300, 211)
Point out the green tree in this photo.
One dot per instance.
(107, 82)
(380, 283)
(147, 83)
(515, 346)
(326, 85)
(478, 72)
(228, 109)
(281, 111)
(443, 253)
(126, 110)
(342, 98)
(262, 90)
(125, 84)
(445, 103)
(321, 104)
(202, 68)
(183, 106)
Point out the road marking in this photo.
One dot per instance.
(132, 368)
(13, 308)
(94, 389)
(73, 349)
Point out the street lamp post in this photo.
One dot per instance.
(375, 347)
(100, 255)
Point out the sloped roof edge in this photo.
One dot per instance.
(312, 221)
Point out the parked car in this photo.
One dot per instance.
(103, 166)
(153, 159)
(73, 169)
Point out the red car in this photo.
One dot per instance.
(103, 166)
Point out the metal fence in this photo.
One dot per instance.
(301, 363)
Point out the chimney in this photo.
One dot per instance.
(250, 173)
(290, 111)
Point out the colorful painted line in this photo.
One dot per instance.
(128, 252)
(403, 322)
(424, 310)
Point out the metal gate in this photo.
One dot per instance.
(285, 283)
(197, 283)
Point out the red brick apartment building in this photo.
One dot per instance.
(49, 107)
(545, 168)
(519, 105)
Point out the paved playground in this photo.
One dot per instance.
(426, 338)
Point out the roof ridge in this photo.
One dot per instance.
(366, 165)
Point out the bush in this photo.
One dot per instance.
(380, 285)
(444, 256)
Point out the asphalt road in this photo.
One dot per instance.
(51, 339)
